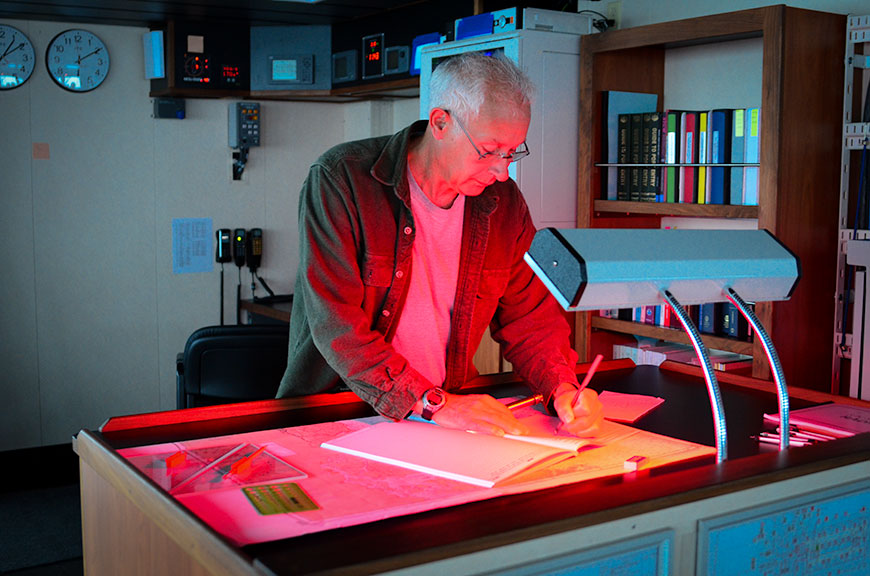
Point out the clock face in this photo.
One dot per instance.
(17, 58)
(77, 60)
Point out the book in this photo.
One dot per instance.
(738, 153)
(750, 174)
(703, 137)
(652, 132)
(734, 324)
(719, 178)
(622, 176)
(839, 420)
(688, 155)
(709, 314)
(479, 459)
(614, 103)
(635, 156)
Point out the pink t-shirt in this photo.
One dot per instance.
(424, 325)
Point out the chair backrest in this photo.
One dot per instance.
(224, 364)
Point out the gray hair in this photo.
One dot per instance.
(463, 83)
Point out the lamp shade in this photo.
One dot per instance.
(591, 269)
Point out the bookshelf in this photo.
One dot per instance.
(801, 79)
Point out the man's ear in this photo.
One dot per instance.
(438, 119)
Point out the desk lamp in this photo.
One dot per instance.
(591, 269)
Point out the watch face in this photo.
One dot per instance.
(17, 58)
(77, 60)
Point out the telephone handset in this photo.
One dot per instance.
(239, 242)
(222, 249)
(254, 248)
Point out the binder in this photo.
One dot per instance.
(738, 153)
(702, 157)
(719, 178)
(614, 103)
(750, 185)
(672, 154)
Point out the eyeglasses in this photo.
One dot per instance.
(521, 152)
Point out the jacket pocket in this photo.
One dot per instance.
(493, 283)
(377, 270)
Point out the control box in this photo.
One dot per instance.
(244, 124)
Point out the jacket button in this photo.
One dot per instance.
(408, 230)
(399, 274)
(385, 313)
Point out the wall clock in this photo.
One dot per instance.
(77, 60)
(17, 57)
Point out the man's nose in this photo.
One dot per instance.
(500, 168)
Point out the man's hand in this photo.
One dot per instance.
(478, 413)
(582, 418)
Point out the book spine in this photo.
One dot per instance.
(737, 156)
(702, 157)
(750, 185)
(673, 147)
(635, 156)
(622, 135)
(654, 125)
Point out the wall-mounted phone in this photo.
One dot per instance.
(223, 253)
(254, 248)
(222, 246)
(240, 237)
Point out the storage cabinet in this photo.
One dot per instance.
(851, 340)
(801, 104)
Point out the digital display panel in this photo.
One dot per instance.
(284, 70)
(373, 56)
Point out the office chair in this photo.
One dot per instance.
(237, 363)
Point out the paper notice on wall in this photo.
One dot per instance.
(192, 245)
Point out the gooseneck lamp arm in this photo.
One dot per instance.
(772, 360)
(719, 427)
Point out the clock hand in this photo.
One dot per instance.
(10, 50)
(88, 55)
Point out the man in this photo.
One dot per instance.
(411, 245)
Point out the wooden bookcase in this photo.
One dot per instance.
(801, 100)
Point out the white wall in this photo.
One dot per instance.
(92, 315)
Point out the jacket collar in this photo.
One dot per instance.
(389, 168)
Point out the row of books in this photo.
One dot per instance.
(652, 352)
(718, 319)
(635, 133)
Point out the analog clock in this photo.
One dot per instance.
(77, 60)
(17, 58)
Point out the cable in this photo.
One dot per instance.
(602, 24)
(265, 286)
(239, 298)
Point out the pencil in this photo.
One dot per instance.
(588, 378)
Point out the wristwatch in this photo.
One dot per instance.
(434, 400)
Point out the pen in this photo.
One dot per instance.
(530, 401)
(242, 464)
(588, 378)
